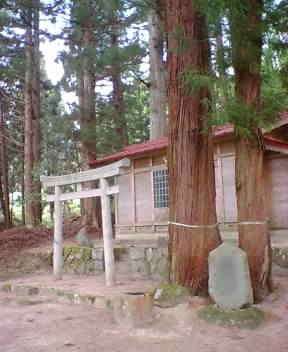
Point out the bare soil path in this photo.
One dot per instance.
(45, 326)
(49, 327)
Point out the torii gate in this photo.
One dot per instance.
(104, 191)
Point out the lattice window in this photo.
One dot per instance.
(160, 188)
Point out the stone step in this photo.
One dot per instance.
(123, 267)
(128, 308)
(57, 295)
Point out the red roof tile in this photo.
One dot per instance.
(134, 150)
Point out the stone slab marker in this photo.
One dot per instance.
(229, 277)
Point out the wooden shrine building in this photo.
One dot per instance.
(141, 205)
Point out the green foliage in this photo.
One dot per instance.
(194, 81)
(228, 19)
(58, 135)
(136, 116)
(137, 113)
(120, 50)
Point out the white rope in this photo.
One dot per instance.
(211, 226)
(192, 226)
(253, 222)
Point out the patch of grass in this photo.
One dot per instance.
(243, 318)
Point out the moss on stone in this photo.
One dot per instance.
(68, 296)
(88, 299)
(243, 318)
(169, 295)
(28, 302)
(77, 259)
(7, 287)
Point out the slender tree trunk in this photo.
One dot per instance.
(32, 184)
(220, 61)
(36, 118)
(158, 95)
(87, 111)
(117, 91)
(2, 199)
(4, 170)
(190, 157)
(23, 179)
(28, 131)
(250, 171)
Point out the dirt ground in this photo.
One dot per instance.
(49, 327)
(19, 243)
(45, 326)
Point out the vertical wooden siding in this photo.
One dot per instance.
(278, 175)
(143, 196)
(125, 203)
(135, 201)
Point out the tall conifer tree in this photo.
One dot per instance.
(246, 27)
(193, 229)
(157, 81)
(32, 116)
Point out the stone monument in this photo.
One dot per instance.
(229, 277)
(82, 238)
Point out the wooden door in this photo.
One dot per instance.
(278, 170)
(226, 201)
(219, 189)
(143, 197)
(125, 200)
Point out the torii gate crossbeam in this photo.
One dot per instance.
(104, 192)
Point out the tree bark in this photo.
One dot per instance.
(28, 113)
(90, 209)
(157, 88)
(249, 166)
(117, 91)
(23, 177)
(190, 155)
(4, 170)
(220, 61)
(32, 186)
(36, 118)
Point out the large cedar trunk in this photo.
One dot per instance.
(157, 88)
(191, 168)
(86, 92)
(250, 168)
